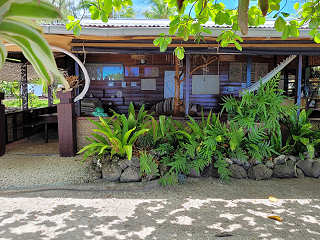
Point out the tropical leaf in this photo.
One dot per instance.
(3, 54)
(33, 9)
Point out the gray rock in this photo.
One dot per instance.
(123, 164)
(291, 163)
(254, 162)
(193, 173)
(111, 172)
(310, 168)
(269, 164)
(259, 172)
(284, 171)
(236, 161)
(229, 161)
(299, 173)
(280, 159)
(130, 174)
(237, 171)
(246, 165)
(292, 158)
(134, 162)
(94, 174)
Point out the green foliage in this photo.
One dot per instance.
(265, 106)
(159, 10)
(162, 42)
(302, 137)
(115, 136)
(17, 27)
(248, 144)
(10, 88)
(148, 166)
(187, 19)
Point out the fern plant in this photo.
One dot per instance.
(148, 165)
(265, 106)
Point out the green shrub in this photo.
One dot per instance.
(302, 137)
(114, 136)
(148, 165)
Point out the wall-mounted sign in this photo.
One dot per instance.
(205, 84)
(148, 84)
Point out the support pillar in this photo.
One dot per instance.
(67, 124)
(24, 86)
(50, 96)
(299, 83)
(187, 85)
(77, 73)
(2, 126)
(249, 67)
(286, 81)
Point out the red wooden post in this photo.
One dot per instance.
(67, 124)
(2, 126)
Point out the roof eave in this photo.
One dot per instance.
(155, 31)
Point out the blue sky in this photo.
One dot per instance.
(142, 5)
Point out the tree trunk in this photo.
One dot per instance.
(176, 87)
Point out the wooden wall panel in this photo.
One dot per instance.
(100, 89)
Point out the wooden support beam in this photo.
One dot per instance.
(67, 124)
(78, 103)
(50, 96)
(187, 85)
(249, 67)
(24, 86)
(286, 81)
(299, 83)
(2, 126)
(196, 45)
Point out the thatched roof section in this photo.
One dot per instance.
(12, 72)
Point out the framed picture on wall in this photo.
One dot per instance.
(151, 72)
(131, 71)
(105, 72)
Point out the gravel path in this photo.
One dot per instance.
(199, 209)
(32, 162)
(19, 170)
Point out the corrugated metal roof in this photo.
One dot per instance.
(148, 23)
(153, 27)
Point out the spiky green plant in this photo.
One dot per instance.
(302, 137)
(114, 136)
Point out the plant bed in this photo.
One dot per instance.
(251, 144)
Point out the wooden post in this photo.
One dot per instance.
(2, 126)
(249, 65)
(50, 96)
(187, 85)
(24, 86)
(67, 124)
(77, 73)
(299, 84)
(286, 81)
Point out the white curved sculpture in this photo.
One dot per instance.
(83, 68)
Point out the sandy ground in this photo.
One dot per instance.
(32, 162)
(199, 209)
